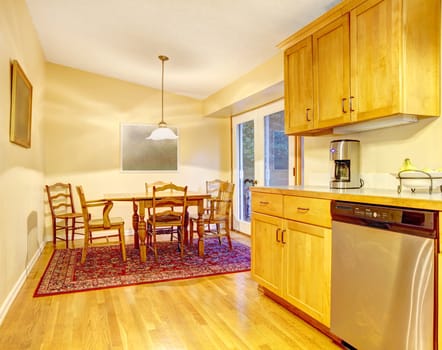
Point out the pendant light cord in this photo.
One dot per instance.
(162, 132)
(162, 58)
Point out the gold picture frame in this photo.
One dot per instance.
(21, 107)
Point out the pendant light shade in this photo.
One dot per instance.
(162, 132)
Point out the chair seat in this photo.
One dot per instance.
(115, 221)
(166, 218)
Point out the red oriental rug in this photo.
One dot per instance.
(104, 268)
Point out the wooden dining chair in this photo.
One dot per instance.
(217, 221)
(169, 207)
(163, 230)
(63, 214)
(102, 223)
(212, 188)
(148, 186)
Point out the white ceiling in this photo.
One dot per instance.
(210, 43)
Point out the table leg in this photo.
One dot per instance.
(200, 228)
(135, 219)
(142, 233)
(186, 229)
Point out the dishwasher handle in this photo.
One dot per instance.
(377, 224)
(364, 222)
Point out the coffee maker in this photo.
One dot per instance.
(344, 164)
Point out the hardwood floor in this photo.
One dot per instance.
(218, 312)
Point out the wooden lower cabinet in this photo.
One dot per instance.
(291, 254)
(267, 252)
(293, 260)
(307, 272)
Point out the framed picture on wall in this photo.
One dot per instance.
(21, 107)
(140, 154)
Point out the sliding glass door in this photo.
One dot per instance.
(261, 157)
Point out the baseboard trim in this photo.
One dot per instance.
(15, 290)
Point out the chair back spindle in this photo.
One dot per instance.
(63, 214)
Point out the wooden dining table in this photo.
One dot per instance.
(142, 201)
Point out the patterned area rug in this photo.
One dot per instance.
(105, 269)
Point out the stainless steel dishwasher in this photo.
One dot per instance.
(383, 290)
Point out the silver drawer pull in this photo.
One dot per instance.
(263, 202)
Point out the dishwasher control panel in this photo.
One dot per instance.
(398, 216)
(373, 213)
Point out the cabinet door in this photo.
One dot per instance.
(375, 59)
(308, 269)
(267, 251)
(331, 57)
(298, 79)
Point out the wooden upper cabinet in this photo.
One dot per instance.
(395, 58)
(375, 59)
(331, 57)
(298, 71)
(371, 59)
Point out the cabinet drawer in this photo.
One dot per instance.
(267, 203)
(310, 210)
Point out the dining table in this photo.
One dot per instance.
(142, 201)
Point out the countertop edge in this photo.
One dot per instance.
(371, 196)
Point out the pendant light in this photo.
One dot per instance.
(162, 132)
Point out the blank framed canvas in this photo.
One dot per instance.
(139, 154)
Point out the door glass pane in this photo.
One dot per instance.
(276, 155)
(246, 135)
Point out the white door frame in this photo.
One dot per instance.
(258, 116)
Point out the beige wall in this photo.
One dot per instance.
(21, 169)
(260, 86)
(83, 114)
(382, 152)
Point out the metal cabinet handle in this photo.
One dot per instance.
(343, 104)
(351, 103)
(282, 237)
(303, 209)
(263, 202)
(277, 235)
(306, 114)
